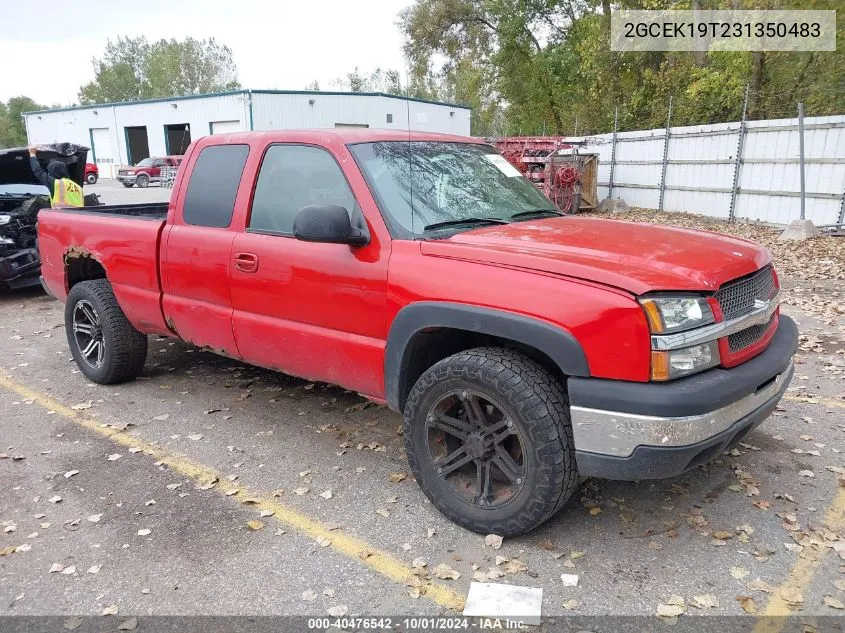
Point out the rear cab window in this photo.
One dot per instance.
(216, 175)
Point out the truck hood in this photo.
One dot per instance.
(15, 169)
(638, 258)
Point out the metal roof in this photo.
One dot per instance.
(348, 136)
(247, 92)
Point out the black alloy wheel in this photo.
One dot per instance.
(475, 448)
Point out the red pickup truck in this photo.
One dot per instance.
(146, 171)
(92, 173)
(523, 347)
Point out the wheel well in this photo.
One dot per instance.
(82, 268)
(431, 346)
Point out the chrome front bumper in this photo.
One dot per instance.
(617, 434)
(650, 430)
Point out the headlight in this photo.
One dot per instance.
(5, 219)
(667, 315)
(130, 173)
(680, 362)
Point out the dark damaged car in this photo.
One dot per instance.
(21, 198)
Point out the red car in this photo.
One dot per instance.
(523, 348)
(92, 173)
(146, 171)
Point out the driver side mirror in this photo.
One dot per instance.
(328, 224)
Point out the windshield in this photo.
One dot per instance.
(422, 184)
(24, 190)
(147, 162)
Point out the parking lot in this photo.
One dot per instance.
(213, 487)
(112, 192)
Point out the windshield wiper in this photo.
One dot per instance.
(536, 213)
(458, 222)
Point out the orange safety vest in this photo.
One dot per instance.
(66, 193)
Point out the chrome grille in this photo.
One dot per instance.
(737, 297)
(748, 336)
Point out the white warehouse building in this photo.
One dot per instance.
(127, 132)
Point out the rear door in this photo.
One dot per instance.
(196, 250)
(308, 309)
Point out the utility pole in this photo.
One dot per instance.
(738, 162)
(665, 156)
(613, 151)
(801, 154)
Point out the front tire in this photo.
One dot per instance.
(91, 179)
(128, 184)
(488, 438)
(104, 344)
(142, 181)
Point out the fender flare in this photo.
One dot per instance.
(554, 341)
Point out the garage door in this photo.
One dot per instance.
(222, 127)
(103, 151)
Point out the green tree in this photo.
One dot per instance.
(538, 66)
(507, 42)
(12, 129)
(387, 81)
(133, 68)
(5, 133)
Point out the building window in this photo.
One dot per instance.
(390, 118)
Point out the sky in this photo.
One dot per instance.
(276, 44)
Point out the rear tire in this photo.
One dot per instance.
(516, 399)
(142, 181)
(91, 179)
(104, 344)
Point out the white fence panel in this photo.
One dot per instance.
(701, 164)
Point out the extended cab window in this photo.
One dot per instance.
(292, 177)
(210, 200)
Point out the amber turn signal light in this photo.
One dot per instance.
(655, 319)
(659, 365)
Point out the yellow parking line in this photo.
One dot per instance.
(356, 549)
(830, 402)
(801, 575)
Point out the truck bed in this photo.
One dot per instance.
(123, 239)
(150, 211)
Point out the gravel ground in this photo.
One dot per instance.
(212, 487)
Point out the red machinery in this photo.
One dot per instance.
(550, 162)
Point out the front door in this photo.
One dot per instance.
(155, 170)
(307, 309)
